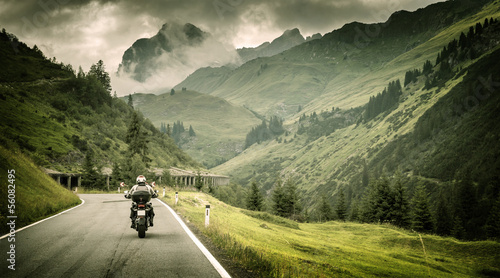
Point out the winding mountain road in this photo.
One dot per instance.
(95, 240)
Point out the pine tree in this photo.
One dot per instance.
(117, 175)
(384, 200)
(90, 177)
(422, 217)
(191, 131)
(135, 167)
(279, 201)
(167, 178)
(255, 199)
(493, 221)
(341, 208)
(444, 221)
(401, 208)
(458, 230)
(136, 138)
(292, 205)
(325, 210)
(198, 183)
(427, 67)
(354, 212)
(365, 177)
(130, 101)
(98, 70)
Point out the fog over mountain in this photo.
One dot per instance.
(82, 32)
(177, 50)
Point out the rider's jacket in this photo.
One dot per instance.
(138, 187)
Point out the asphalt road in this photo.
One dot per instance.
(95, 240)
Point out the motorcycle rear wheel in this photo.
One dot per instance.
(141, 230)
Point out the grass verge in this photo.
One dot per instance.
(275, 247)
(35, 194)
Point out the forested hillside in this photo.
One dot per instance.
(342, 69)
(421, 153)
(60, 117)
(219, 126)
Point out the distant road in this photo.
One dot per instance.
(95, 240)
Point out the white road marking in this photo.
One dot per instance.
(38, 222)
(204, 250)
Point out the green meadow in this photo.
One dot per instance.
(276, 247)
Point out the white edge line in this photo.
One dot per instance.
(38, 222)
(204, 250)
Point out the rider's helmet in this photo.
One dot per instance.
(141, 180)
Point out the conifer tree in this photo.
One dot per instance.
(444, 219)
(130, 101)
(325, 210)
(341, 208)
(198, 184)
(191, 131)
(292, 205)
(427, 67)
(117, 175)
(365, 177)
(493, 221)
(167, 178)
(422, 218)
(90, 177)
(458, 230)
(354, 212)
(279, 200)
(401, 208)
(135, 167)
(98, 71)
(136, 138)
(255, 199)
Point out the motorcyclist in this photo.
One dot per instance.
(141, 186)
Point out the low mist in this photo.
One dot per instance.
(176, 54)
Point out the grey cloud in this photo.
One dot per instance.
(81, 32)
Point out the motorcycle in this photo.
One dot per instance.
(141, 207)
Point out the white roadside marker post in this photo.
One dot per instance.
(176, 197)
(207, 215)
(163, 191)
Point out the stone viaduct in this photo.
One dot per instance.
(180, 177)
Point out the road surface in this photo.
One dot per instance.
(95, 240)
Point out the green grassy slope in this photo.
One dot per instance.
(36, 194)
(329, 163)
(220, 126)
(275, 247)
(205, 80)
(355, 92)
(342, 69)
(56, 118)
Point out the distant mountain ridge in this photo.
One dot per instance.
(319, 73)
(173, 53)
(287, 40)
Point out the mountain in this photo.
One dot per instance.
(138, 59)
(58, 118)
(208, 79)
(287, 40)
(439, 130)
(336, 70)
(173, 53)
(220, 126)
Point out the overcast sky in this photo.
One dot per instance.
(81, 32)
